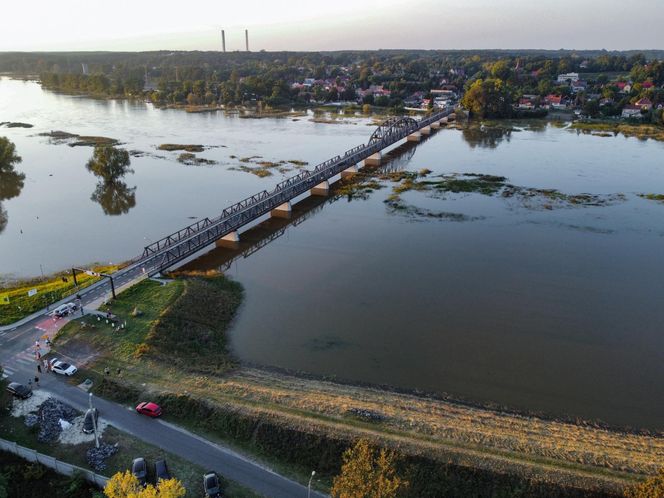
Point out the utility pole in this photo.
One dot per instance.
(313, 473)
(94, 421)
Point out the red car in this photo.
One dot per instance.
(148, 408)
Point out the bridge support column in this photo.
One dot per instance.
(443, 121)
(435, 125)
(282, 211)
(229, 241)
(322, 189)
(349, 172)
(374, 159)
(426, 130)
(451, 117)
(414, 137)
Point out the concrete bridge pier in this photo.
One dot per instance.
(229, 241)
(322, 189)
(435, 125)
(348, 172)
(426, 130)
(414, 137)
(451, 117)
(282, 211)
(374, 159)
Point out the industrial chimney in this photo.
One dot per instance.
(223, 41)
(246, 38)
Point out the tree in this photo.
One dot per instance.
(8, 156)
(109, 163)
(489, 98)
(368, 473)
(650, 488)
(125, 485)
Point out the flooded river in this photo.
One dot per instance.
(511, 293)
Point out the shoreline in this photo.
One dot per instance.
(495, 407)
(237, 402)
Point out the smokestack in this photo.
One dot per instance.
(223, 41)
(246, 38)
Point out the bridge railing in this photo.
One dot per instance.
(199, 234)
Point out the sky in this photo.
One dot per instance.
(312, 25)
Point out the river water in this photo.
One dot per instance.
(531, 302)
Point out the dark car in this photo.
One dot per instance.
(91, 420)
(211, 485)
(161, 470)
(19, 390)
(140, 470)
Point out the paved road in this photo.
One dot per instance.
(19, 361)
(172, 438)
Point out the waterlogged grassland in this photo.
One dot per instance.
(641, 131)
(75, 140)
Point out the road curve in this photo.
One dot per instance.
(181, 442)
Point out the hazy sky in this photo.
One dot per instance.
(330, 24)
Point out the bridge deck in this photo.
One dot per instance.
(185, 242)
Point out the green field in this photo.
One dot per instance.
(15, 303)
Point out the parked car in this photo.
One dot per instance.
(161, 470)
(140, 470)
(91, 420)
(64, 310)
(211, 485)
(148, 408)
(63, 368)
(19, 390)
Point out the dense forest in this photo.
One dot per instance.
(493, 83)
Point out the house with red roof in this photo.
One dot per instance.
(645, 103)
(555, 101)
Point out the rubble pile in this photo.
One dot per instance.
(97, 456)
(51, 412)
(31, 420)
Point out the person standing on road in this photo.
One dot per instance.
(46, 366)
(39, 367)
(30, 383)
(36, 381)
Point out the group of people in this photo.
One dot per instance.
(42, 364)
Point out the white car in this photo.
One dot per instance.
(64, 310)
(63, 368)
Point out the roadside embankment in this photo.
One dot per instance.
(175, 349)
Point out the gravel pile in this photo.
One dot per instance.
(31, 420)
(97, 456)
(50, 413)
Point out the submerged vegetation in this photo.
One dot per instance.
(489, 185)
(262, 168)
(75, 140)
(192, 160)
(653, 197)
(15, 124)
(185, 147)
(604, 129)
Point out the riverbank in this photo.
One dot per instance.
(602, 128)
(295, 422)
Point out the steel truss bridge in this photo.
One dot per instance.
(189, 240)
